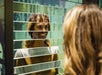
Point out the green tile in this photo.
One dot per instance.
(100, 3)
(80, 1)
(69, 5)
(17, 7)
(73, 0)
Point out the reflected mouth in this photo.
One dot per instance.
(39, 35)
(42, 35)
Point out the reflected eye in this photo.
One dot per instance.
(40, 27)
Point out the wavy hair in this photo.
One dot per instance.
(83, 40)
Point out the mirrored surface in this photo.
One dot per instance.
(38, 40)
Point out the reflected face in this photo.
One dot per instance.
(40, 30)
(41, 27)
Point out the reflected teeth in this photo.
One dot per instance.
(43, 34)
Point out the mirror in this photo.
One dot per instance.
(37, 50)
(38, 37)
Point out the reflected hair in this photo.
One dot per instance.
(83, 40)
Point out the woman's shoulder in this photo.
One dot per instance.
(21, 52)
(18, 53)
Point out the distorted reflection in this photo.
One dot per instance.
(38, 27)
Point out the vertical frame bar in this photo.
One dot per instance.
(8, 53)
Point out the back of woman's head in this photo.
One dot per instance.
(83, 40)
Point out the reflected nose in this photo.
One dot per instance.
(44, 30)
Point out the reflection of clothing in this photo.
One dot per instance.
(47, 58)
(35, 60)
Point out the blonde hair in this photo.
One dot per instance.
(83, 40)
